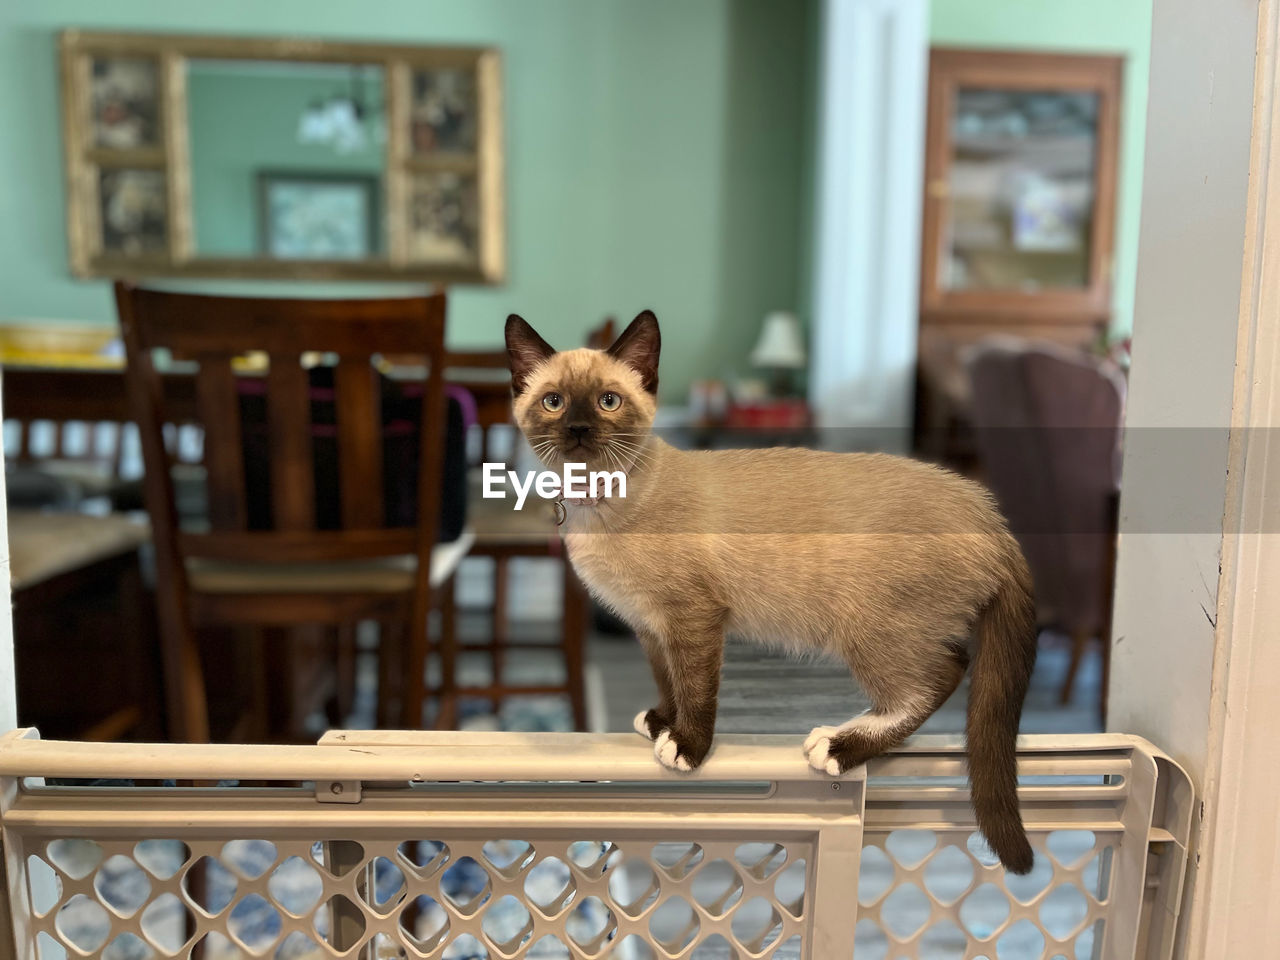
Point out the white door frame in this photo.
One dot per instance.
(1233, 909)
(1196, 648)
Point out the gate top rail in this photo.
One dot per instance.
(449, 756)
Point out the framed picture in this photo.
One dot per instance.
(444, 111)
(317, 216)
(124, 102)
(132, 211)
(445, 218)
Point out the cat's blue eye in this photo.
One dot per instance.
(553, 402)
(610, 401)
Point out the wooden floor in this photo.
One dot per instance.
(766, 692)
(761, 691)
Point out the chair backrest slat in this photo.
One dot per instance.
(359, 444)
(293, 479)
(218, 403)
(278, 325)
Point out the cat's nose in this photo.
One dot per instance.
(579, 431)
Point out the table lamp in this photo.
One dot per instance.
(780, 349)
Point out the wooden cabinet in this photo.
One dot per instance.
(1020, 188)
(1019, 215)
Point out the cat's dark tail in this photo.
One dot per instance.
(1002, 663)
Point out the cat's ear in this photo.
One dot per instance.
(638, 348)
(525, 350)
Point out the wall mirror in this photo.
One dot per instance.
(224, 157)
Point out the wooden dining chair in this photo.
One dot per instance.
(291, 573)
(1048, 425)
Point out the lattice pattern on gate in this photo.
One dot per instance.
(451, 897)
(942, 894)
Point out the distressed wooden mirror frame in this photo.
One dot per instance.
(170, 156)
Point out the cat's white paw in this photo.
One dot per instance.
(642, 728)
(816, 734)
(667, 750)
(817, 750)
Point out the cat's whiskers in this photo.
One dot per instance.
(639, 448)
(611, 455)
(632, 458)
(639, 457)
(632, 446)
(636, 454)
(544, 450)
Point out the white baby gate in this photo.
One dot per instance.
(440, 845)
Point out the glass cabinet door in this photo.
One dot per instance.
(1021, 179)
(1021, 190)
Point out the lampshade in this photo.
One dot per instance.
(781, 344)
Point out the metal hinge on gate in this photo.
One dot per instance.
(337, 791)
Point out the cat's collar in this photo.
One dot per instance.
(561, 513)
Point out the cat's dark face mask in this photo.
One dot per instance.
(585, 406)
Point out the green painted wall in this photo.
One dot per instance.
(658, 152)
(1089, 26)
(230, 145)
(655, 157)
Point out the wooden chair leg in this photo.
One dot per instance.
(138, 627)
(1079, 640)
(345, 669)
(257, 648)
(186, 703)
(498, 651)
(573, 642)
(413, 683)
(448, 717)
(392, 654)
(413, 680)
(282, 654)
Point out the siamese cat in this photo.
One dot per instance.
(903, 571)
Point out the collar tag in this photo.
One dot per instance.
(561, 513)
